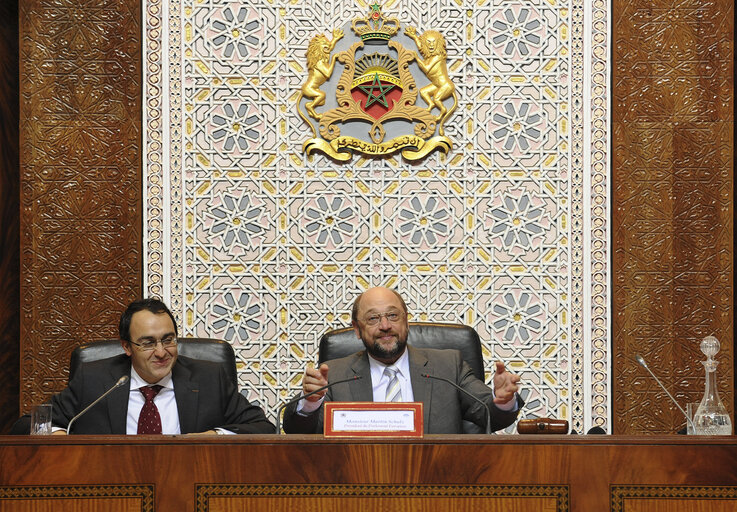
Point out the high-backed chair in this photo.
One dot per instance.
(196, 348)
(344, 342)
(207, 349)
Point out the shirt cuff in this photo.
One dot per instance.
(223, 432)
(305, 407)
(509, 406)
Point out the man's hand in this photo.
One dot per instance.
(315, 379)
(59, 433)
(506, 384)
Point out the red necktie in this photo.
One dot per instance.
(149, 422)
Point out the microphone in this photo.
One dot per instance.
(121, 382)
(486, 407)
(297, 399)
(642, 363)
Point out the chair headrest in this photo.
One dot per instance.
(207, 349)
(344, 342)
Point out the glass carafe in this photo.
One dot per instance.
(711, 418)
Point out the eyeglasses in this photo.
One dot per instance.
(149, 345)
(374, 319)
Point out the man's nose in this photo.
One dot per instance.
(159, 350)
(384, 323)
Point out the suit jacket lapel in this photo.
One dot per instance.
(187, 394)
(117, 401)
(361, 390)
(421, 386)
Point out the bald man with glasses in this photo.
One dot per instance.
(165, 394)
(390, 371)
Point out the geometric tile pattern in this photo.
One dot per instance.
(266, 248)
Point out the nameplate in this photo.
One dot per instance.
(373, 419)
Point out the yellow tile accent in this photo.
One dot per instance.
(296, 188)
(297, 282)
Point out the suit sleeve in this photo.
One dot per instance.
(472, 410)
(239, 415)
(296, 423)
(67, 404)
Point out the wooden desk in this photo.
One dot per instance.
(308, 473)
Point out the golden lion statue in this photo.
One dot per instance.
(320, 68)
(432, 48)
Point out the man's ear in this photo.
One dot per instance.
(127, 347)
(356, 330)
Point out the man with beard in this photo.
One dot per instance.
(391, 371)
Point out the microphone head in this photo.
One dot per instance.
(596, 430)
(641, 360)
(121, 381)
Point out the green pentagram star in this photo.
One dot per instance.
(371, 91)
(375, 7)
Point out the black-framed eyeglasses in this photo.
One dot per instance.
(149, 345)
(375, 318)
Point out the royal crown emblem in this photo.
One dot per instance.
(371, 107)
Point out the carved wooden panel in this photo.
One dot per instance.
(80, 152)
(389, 498)
(79, 498)
(672, 204)
(9, 225)
(664, 498)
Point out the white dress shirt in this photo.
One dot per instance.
(165, 402)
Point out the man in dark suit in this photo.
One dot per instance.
(391, 371)
(186, 395)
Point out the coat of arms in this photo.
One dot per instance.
(372, 107)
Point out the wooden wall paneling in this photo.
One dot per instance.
(80, 154)
(9, 225)
(558, 473)
(672, 221)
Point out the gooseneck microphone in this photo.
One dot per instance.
(121, 382)
(297, 399)
(486, 407)
(644, 365)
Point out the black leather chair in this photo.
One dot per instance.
(344, 342)
(207, 349)
(196, 348)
